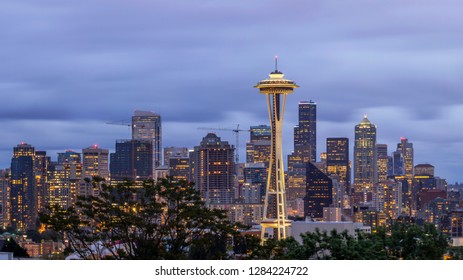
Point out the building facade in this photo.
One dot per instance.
(337, 159)
(147, 126)
(364, 156)
(214, 169)
(132, 160)
(319, 192)
(23, 192)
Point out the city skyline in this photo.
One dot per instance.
(396, 62)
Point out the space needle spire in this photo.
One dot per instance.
(275, 88)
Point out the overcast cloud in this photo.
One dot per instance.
(67, 67)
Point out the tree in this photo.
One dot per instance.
(158, 220)
(10, 245)
(413, 242)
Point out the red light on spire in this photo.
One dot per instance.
(403, 138)
(95, 146)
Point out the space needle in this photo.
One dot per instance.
(275, 88)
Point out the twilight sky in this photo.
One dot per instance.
(68, 67)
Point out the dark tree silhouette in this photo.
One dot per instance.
(158, 220)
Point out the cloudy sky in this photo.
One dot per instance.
(68, 67)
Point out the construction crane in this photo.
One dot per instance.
(124, 123)
(237, 131)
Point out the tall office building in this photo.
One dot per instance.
(305, 150)
(4, 198)
(275, 217)
(382, 161)
(319, 192)
(255, 178)
(364, 155)
(23, 192)
(178, 152)
(337, 159)
(258, 148)
(179, 169)
(59, 188)
(41, 163)
(95, 162)
(398, 164)
(260, 132)
(406, 149)
(305, 134)
(213, 170)
(132, 160)
(69, 156)
(147, 126)
(65, 180)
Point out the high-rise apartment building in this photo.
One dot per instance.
(213, 170)
(382, 161)
(59, 188)
(23, 192)
(132, 160)
(387, 198)
(337, 159)
(364, 155)
(147, 126)
(95, 162)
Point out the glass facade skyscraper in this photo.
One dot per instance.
(23, 192)
(364, 155)
(337, 159)
(305, 134)
(147, 126)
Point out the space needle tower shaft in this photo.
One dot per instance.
(276, 87)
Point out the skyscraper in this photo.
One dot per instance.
(41, 163)
(275, 88)
(319, 192)
(260, 132)
(95, 162)
(4, 198)
(174, 152)
(397, 163)
(69, 156)
(258, 149)
(387, 198)
(213, 170)
(364, 155)
(305, 134)
(23, 192)
(132, 160)
(147, 126)
(382, 161)
(337, 159)
(179, 168)
(59, 187)
(406, 149)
